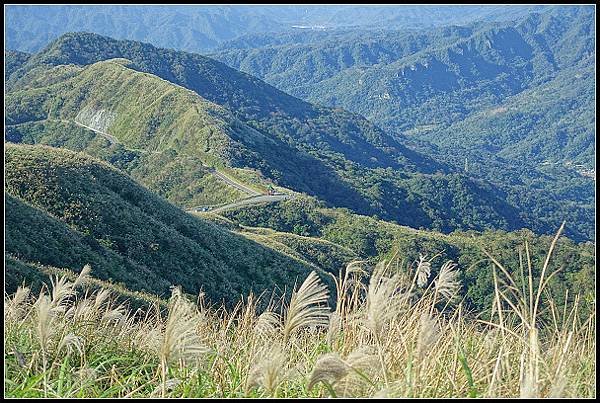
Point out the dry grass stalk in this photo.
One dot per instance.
(307, 307)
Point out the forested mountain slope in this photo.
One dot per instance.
(553, 122)
(414, 82)
(332, 154)
(372, 239)
(248, 98)
(13, 60)
(405, 180)
(66, 209)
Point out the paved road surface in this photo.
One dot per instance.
(235, 184)
(250, 200)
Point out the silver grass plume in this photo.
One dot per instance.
(269, 369)
(101, 297)
(61, 290)
(382, 394)
(428, 334)
(82, 309)
(447, 282)
(44, 316)
(346, 374)
(491, 339)
(334, 328)
(83, 275)
(116, 315)
(305, 306)
(389, 392)
(180, 339)
(559, 384)
(363, 358)
(329, 368)
(423, 271)
(71, 341)
(14, 307)
(267, 324)
(384, 299)
(527, 385)
(147, 336)
(365, 363)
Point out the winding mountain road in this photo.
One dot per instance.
(247, 201)
(241, 187)
(255, 197)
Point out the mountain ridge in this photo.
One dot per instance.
(126, 232)
(335, 155)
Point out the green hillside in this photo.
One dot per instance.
(338, 201)
(553, 122)
(18, 272)
(507, 103)
(373, 239)
(313, 250)
(161, 134)
(13, 60)
(242, 122)
(319, 130)
(66, 209)
(414, 82)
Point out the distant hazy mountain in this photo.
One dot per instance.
(197, 28)
(201, 28)
(420, 82)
